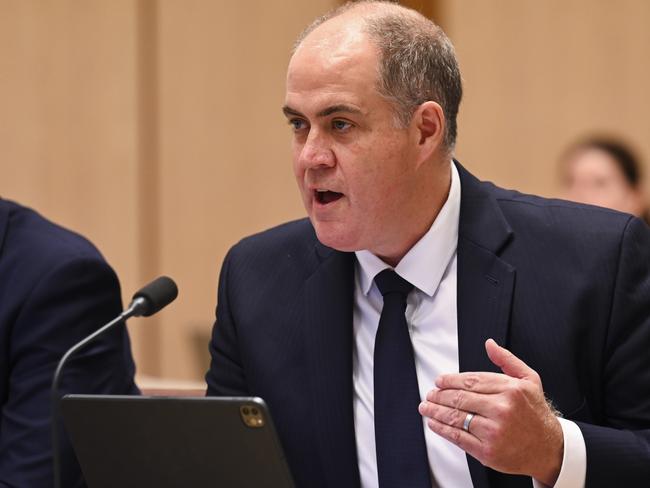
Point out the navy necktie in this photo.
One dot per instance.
(399, 434)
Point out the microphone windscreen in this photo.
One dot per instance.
(157, 294)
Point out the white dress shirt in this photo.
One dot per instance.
(430, 265)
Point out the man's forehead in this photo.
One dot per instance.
(329, 46)
(313, 85)
(336, 64)
(346, 57)
(339, 33)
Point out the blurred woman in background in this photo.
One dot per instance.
(604, 172)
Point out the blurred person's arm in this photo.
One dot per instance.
(68, 302)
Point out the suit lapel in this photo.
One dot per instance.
(329, 301)
(485, 284)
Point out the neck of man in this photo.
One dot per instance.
(429, 195)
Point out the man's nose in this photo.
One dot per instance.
(316, 152)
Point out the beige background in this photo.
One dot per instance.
(154, 126)
(539, 74)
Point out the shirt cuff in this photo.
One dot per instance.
(574, 458)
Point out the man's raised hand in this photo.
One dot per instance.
(513, 429)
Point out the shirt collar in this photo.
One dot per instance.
(425, 263)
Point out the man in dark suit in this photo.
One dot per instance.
(55, 289)
(390, 301)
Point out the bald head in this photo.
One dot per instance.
(341, 39)
(416, 60)
(356, 14)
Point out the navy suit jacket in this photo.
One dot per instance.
(566, 287)
(55, 289)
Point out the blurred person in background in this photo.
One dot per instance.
(604, 172)
(55, 289)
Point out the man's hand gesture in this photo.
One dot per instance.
(513, 429)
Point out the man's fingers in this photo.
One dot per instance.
(480, 382)
(453, 417)
(466, 441)
(508, 362)
(489, 406)
(510, 416)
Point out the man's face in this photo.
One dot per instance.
(351, 161)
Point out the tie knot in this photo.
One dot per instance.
(390, 282)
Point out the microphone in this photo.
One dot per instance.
(151, 298)
(147, 301)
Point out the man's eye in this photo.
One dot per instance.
(297, 124)
(341, 125)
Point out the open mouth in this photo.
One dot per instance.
(326, 196)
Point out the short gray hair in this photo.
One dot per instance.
(417, 63)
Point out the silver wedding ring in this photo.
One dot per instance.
(467, 421)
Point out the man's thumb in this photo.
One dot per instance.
(508, 362)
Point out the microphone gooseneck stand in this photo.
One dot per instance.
(149, 300)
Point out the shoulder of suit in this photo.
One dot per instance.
(556, 214)
(293, 238)
(289, 232)
(27, 236)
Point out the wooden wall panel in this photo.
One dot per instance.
(67, 124)
(224, 149)
(69, 120)
(537, 75)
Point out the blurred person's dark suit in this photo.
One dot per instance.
(565, 287)
(55, 289)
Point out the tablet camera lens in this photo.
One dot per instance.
(252, 416)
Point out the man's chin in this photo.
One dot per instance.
(336, 235)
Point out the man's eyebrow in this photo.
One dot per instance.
(325, 112)
(286, 110)
(338, 108)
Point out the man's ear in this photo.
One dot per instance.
(430, 124)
